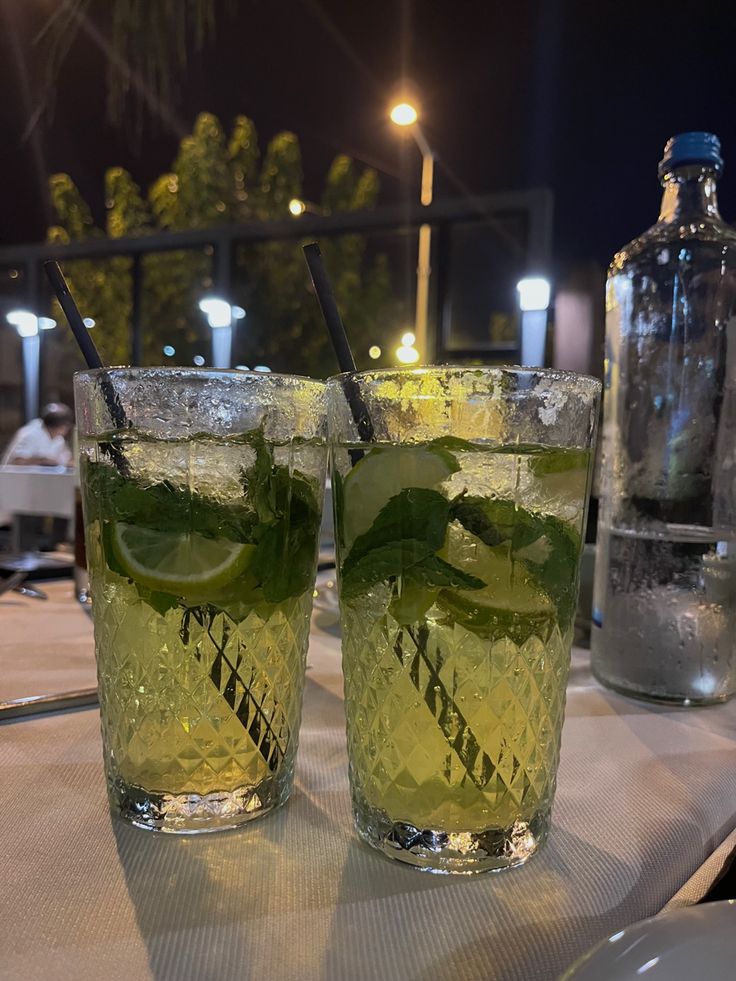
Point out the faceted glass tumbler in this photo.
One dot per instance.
(202, 499)
(459, 524)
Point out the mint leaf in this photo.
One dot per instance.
(381, 564)
(435, 572)
(409, 528)
(550, 546)
(288, 521)
(521, 449)
(287, 542)
(411, 601)
(416, 513)
(445, 448)
(473, 514)
(260, 489)
(338, 503)
(279, 512)
(421, 584)
(402, 541)
(160, 602)
(163, 506)
(559, 461)
(455, 445)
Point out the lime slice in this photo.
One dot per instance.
(382, 474)
(558, 460)
(411, 602)
(561, 478)
(183, 563)
(511, 596)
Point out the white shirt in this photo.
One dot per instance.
(33, 440)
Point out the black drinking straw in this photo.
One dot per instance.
(90, 355)
(72, 314)
(336, 328)
(450, 720)
(249, 711)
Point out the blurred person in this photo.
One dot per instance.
(42, 442)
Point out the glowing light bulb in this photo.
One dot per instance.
(404, 114)
(534, 292)
(407, 354)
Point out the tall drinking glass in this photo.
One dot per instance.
(202, 498)
(458, 534)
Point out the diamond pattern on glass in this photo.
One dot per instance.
(194, 702)
(491, 710)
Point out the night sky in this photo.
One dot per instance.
(577, 96)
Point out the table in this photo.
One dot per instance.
(35, 490)
(45, 645)
(38, 490)
(646, 796)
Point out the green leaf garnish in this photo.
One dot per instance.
(548, 546)
(402, 542)
(279, 513)
(559, 461)
(288, 521)
(286, 553)
(410, 527)
(164, 507)
(435, 572)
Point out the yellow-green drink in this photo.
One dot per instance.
(458, 562)
(201, 543)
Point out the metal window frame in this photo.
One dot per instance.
(536, 204)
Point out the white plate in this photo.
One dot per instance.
(693, 944)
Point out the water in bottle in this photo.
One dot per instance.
(664, 620)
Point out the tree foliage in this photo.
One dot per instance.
(214, 179)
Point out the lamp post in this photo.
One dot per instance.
(407, 353)
(404, 114)
(299, 207)
(28, 325)
(220, 315)
(534, 293)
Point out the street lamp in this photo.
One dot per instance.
(406, 353)
(220, 315)
(534, 293)
(28, 325)
(299, 207)
(404, 114)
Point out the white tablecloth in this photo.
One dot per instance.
(646, 795)
(45, 645)
(37, 490)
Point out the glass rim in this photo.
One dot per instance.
(585, 382)
(187, 373)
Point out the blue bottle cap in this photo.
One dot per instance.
(691, 148)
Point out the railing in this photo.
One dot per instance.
(532, 250)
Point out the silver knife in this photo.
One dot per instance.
(38, 704)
